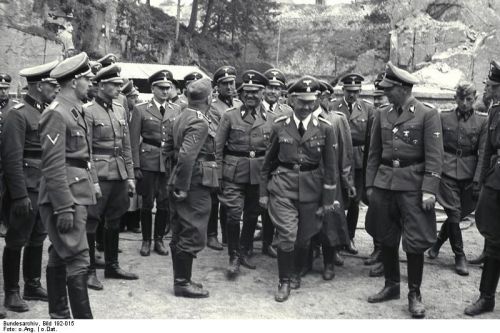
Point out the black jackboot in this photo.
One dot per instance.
(375, 256)
(488, 287)
(133, 221)
(441, 238)
(329, 267)
(92, 280)
(32, 272)
(301, 256)
(415, 272)
(479, 259)
(233, 249)
(11, 265)
(391, 290)
(79, 297)
(113, 269)
(267, 236)
(58, 296)
(183, 287)
(285, 268)
(246, 241)
(146, 228)
(457, 246)
(161, 221)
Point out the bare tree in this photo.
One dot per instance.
(177, 24)
(194, 17)
(208, 16)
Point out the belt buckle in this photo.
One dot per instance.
(89, 165)
(459, 152)
(296, 167)
(252, 154)
(395, 163)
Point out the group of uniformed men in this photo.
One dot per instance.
(78, 147)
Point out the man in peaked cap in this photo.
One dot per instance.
(96, 67)
(21, 155)
(110, 139)
(402, 178)
(67, 188)
(291, 177)
(108, 60)
(150, 122)
(6, 103)
(194, 176)
(358, 112)
(193, 76)
(242, 140)
(224, 80)
(488, 207)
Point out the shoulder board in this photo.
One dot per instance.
(142, 103)
(214, 100)
(280, 119)
(232, 108)
(53, 105)
(116, 103)
(482, 114)
(429, 105)
(495, 104)
(383, 105)
(86, 105)
(18, 106)
(324, 120)
(367, 101)
(448, 110)
(333, 100)
(340, 113)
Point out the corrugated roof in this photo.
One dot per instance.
(143, 71)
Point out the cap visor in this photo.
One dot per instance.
(4, 85)
(251, 87)
(386, 84)
(307, 96)
(352, 88)
(226, 78)
(162, 84)
(117, 80)
(491, 82)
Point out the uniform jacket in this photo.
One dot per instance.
(316, 147)
(414, 137)
(362, 111)
(463, 142)
(219, 107)
(63, 135)
(238, 131)
(4, 109)
(148, 123)
(22, 171)
(490, 166)
(108, 128)
(192, 140)
(279, 109)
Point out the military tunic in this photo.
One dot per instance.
(148, 155)
(488, 207)
(4, 109)
(67, 183)
(21, 156)
(192, 141)
(298, 176)
(219, 107)
(405, 159)
(463, 140)
(112, 156)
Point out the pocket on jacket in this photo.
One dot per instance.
(229, 169)
(209, 174)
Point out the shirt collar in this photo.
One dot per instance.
(463, 115)
(305, 122)
(103, 103)
(158, 104)
(318, 111)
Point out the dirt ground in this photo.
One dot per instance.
(251, 296)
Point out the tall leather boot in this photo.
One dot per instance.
(223, 223)
(58, 296)
(267, 236)
(301, 256)
(487, 288)
(479, 259)
(99, 236)
(457, 246)
(329, 269)
(32, 272)
(11, 265)
(415, 272)
(213, 225)
(376, 255)
(246, 241)
(441, 238)
(132, 221)
(92, 280)
(391, 290)
(183, 287)
(161, 220)
(285, 268)
(113, 269)
(233, 249)
(79, 297)
(146, 228)
(352, 222)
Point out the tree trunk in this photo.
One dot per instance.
(193, 18)
(177, 24)
(208, 14)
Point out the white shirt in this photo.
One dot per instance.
(158, 104)
(267, 106)
(305, 122)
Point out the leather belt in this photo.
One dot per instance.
(206, 157)
(251, 154)
(400, 164)
(151, 142)
(33, 154)
(78, 163)
(115, 151)
(459, 152)
(297, 167)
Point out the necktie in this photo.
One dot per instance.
(302, 130)
(271, 107)
(254, 114)
(162, 110)
(349, 105)
(400, 110)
